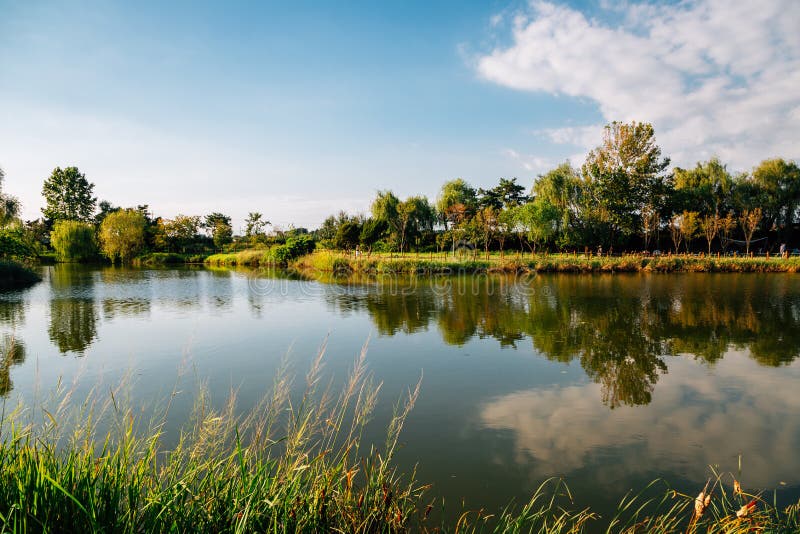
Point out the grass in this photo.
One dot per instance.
(15, 275)
(292, 463)
(158, 259)
(245, 258)
(429, 263)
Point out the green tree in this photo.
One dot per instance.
(562, 187)
(707, 188)
(178, 233)
(413, 215)
(779, 181)
(220, 227)
(506, 194)
(104, 208)
(347, 236)
(371, 232)
(626, 174)
(9, 205)
(255, 226)
(122, 234)
(537, 220)
(73, 240)
(457, 202)
(68, 195)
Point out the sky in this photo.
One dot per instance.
(300, 109)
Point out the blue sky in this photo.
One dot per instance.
(299, 109)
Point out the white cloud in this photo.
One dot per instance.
(714, 77)
(527, 161)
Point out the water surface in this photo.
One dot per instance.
(607, 380)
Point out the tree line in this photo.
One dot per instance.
(624, 197)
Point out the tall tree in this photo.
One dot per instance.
(507, 193)
(254, 226)
(707, 188)
(779, 180)
(537, 221)
(68, 196)
(457, 202)
(563, 188)
(219, 225)
(625, 174)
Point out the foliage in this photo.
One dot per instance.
(9, 205)
(457, 202)
(220, 227)
(255, 225)
(14, 246)
(73, 240)
(68, 196)
(122, 234)
(347, 236)
(625, 174)
(537, 220)
(177, 234)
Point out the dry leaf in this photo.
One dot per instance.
(737, 488)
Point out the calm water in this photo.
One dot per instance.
(610, 381)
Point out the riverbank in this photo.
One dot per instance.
(287, 466)
(14, 275)
(336, 262)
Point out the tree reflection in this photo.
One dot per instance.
(620, 328)
(12, 352)
(73, 314)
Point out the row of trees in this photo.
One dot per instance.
(79, 228)
(625, 195)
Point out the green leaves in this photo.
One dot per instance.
(68, 196)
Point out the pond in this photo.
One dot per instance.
(607, 380)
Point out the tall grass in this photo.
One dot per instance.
(292, 463)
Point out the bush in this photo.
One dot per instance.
(14, 247)
(73, 241)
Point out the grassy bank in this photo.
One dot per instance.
(288, 465)
(328, 261)
(14, 275)
(159, 259)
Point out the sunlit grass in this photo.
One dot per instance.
(410, 263)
